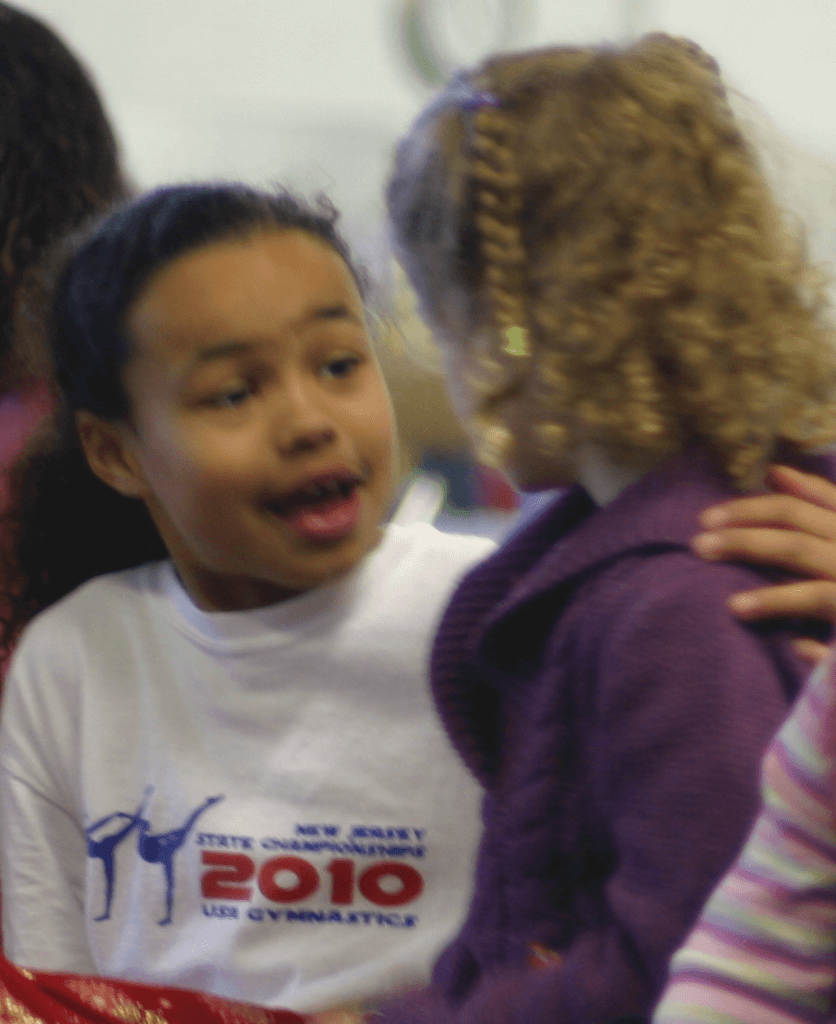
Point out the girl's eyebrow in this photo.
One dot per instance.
(225, 349)
(334, 311)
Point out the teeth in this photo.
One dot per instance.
(322, 490)
(314, 493)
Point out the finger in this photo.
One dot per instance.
(804, 485)
(798, 552)
(811, 650)
(808, 599)
(776, 511)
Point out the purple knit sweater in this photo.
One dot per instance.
(594, 681)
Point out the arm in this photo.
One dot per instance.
(795, 529)
(763, 949)
(43, 849)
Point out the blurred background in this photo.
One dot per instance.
(313, 93)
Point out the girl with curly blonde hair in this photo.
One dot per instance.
(620, 307)
(605, 207)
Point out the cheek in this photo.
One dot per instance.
(183, 467)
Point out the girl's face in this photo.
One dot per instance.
(261, 435)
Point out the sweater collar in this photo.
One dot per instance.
(568, 539)
(572, 536)
(662, 508)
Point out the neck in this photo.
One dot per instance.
(604, 476)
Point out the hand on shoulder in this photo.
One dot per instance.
(794, 528)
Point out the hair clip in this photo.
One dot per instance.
(516, 342)
(479, 98)
(461, 91)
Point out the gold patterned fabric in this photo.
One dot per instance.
(41, 998)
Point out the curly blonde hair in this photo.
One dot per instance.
(605, 202)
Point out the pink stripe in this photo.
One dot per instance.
(714, 940)
(708, 993)
(821, 793)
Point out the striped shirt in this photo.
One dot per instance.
(764, 949)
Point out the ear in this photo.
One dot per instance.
(109, 450)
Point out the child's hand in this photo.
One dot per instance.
(794, 529)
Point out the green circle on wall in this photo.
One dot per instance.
(439, 36)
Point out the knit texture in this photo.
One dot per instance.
(593, 679)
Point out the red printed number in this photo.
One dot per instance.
(231, 869)
(307, 879)
(411, 884)
(342, 881)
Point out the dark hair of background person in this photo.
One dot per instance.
(64, 525)
(59, 161)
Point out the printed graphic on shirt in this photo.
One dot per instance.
(322, 874)
(159, 848)
(367, 875)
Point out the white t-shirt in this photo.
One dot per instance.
(257, 804)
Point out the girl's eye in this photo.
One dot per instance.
(341, 367)
(231, 398)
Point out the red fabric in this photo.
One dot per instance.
(28, 997)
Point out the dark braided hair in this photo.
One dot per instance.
(59, 161)
(66, 526)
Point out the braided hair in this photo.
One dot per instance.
(604, 202)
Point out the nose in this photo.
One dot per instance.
(302, 419)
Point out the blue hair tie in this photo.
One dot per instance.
(462, 92)
(480, 98)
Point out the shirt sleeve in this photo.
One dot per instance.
(43, 848)
(764, 948)
(680, 703)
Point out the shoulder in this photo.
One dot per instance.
(426, 549)
(415, 570)
(101, 606)
(64, 661)
(672, 602)
(660, 635)
(668, 580)
(68, 653)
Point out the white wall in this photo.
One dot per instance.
(780, 52)
(256, 88)
(315, 91)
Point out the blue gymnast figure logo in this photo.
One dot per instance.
(153, 849)
(105, 848)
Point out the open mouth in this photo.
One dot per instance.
(316, 494)
(327, 509)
